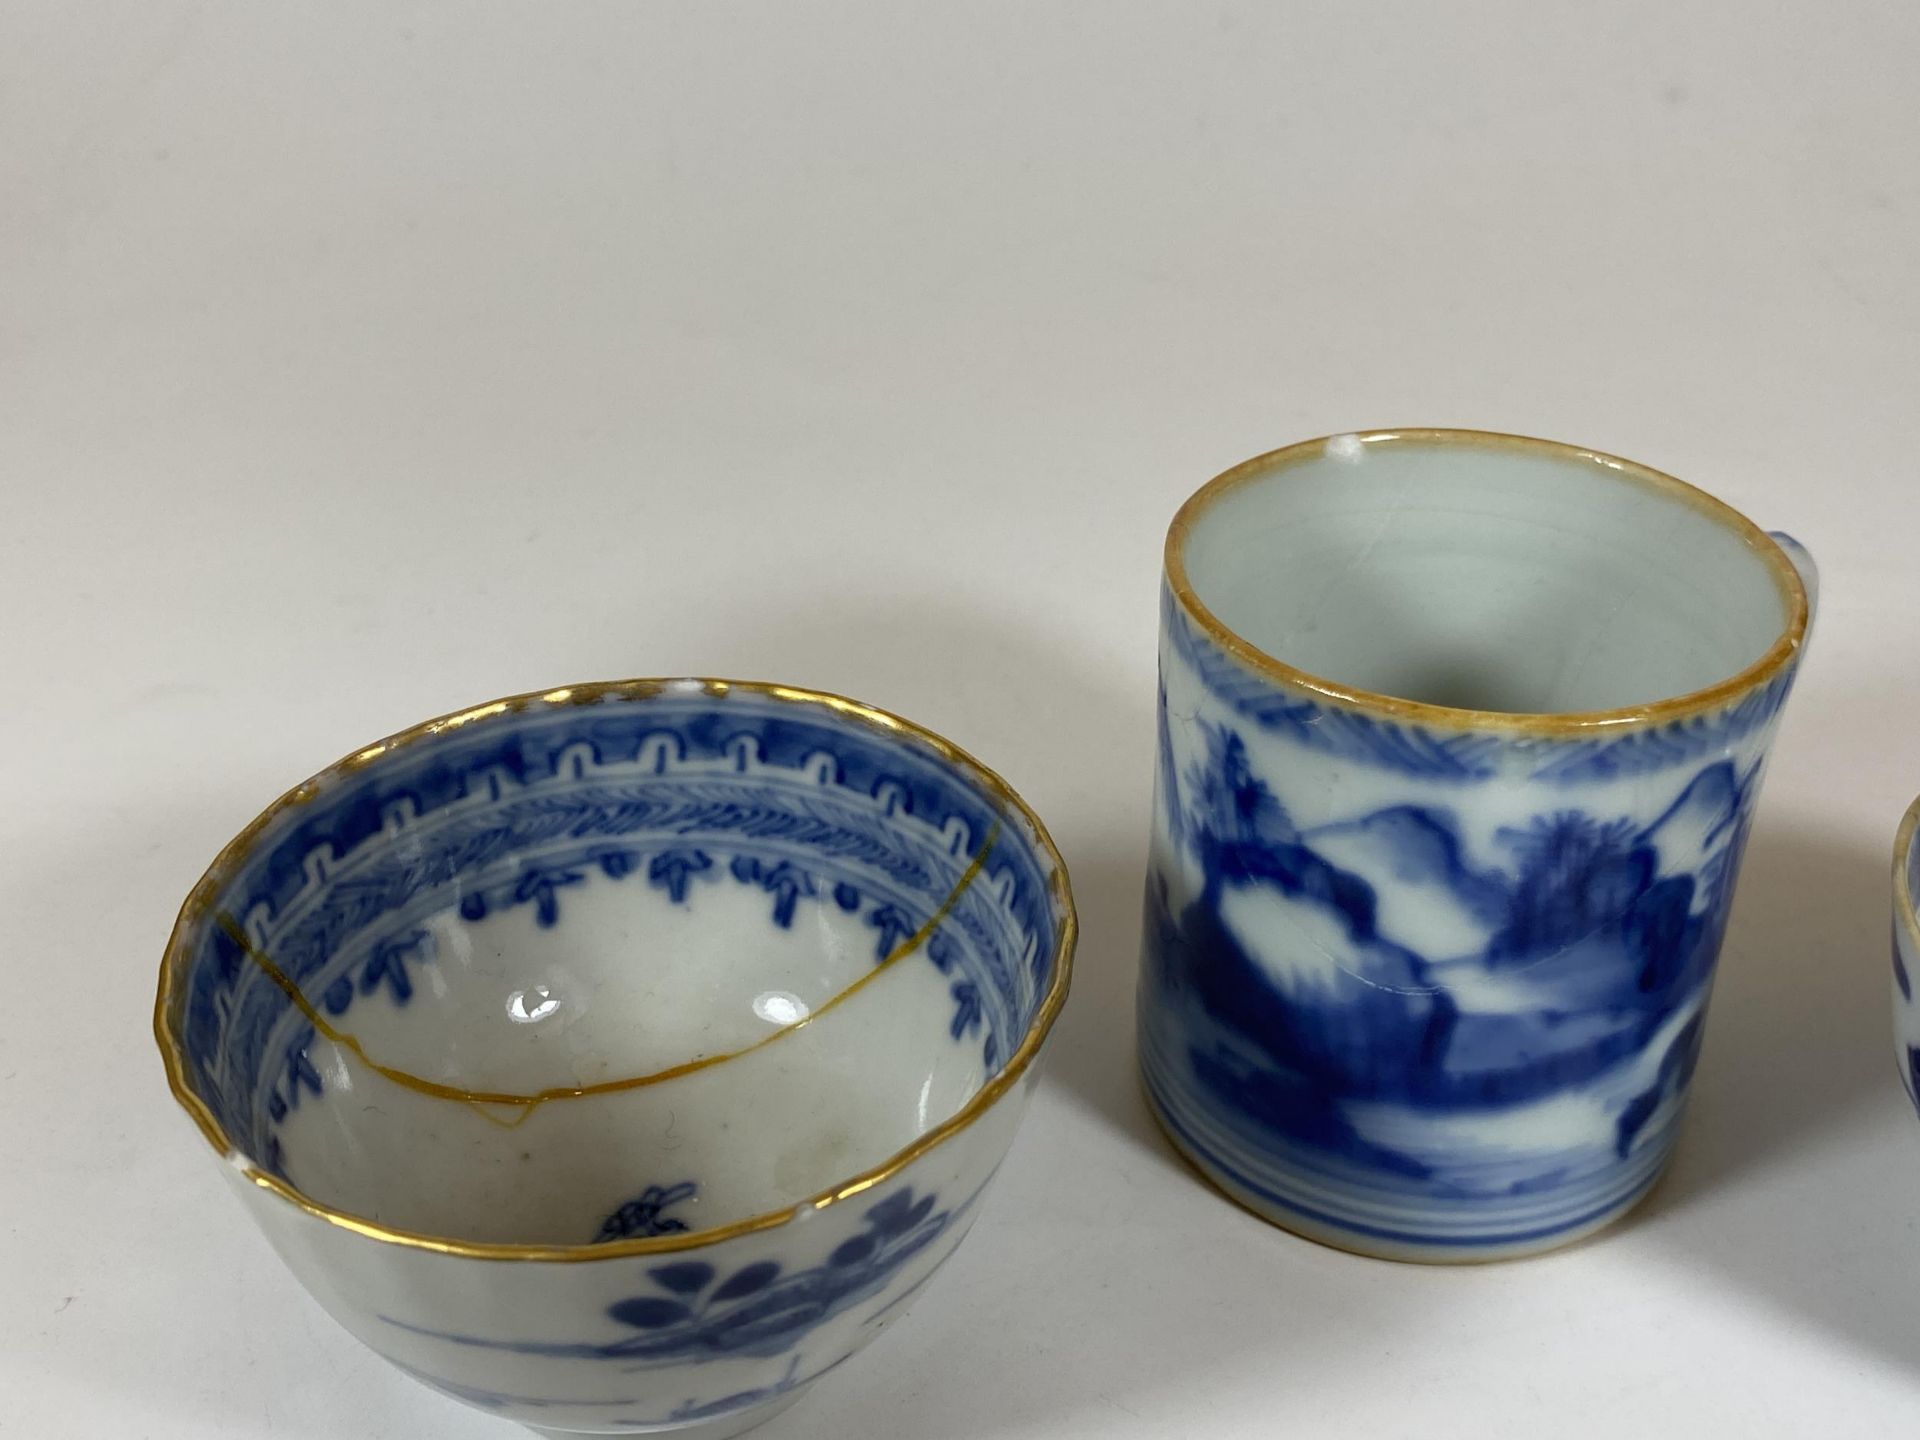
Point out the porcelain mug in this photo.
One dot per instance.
(1460, 738)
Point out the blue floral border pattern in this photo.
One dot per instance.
(1462, 757)
(808, 807)
(681, 871)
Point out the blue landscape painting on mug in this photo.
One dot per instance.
(1612, 925)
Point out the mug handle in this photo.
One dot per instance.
(1809, 571)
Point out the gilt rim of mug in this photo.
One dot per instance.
(1777, 658)
(1904, 904)
(170, 1003)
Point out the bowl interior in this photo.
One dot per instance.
(576, 972)
(1485, 573)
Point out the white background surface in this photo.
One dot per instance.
(361, 361)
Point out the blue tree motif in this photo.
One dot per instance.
(388, 962)
(1231, 802)
(1577, 874)
(894, 925)
(672, 869)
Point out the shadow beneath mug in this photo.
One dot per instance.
(1798, 1065)
(1798, 1032)
(1095, 1058)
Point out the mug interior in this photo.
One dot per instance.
(1484, 573)
(605, 972)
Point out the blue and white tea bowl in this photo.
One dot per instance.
(622, 1058)
(1906, 951)
(1460, 740)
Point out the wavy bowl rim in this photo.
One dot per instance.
(169, 1004)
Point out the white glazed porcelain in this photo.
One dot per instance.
(1906, 951)
(621, 1059)
(1461, 736)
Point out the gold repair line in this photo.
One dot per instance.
(170, 999)
(527, 1104)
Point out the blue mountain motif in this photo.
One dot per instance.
(1421, 844)
(1711, 804)
(1594, 931)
